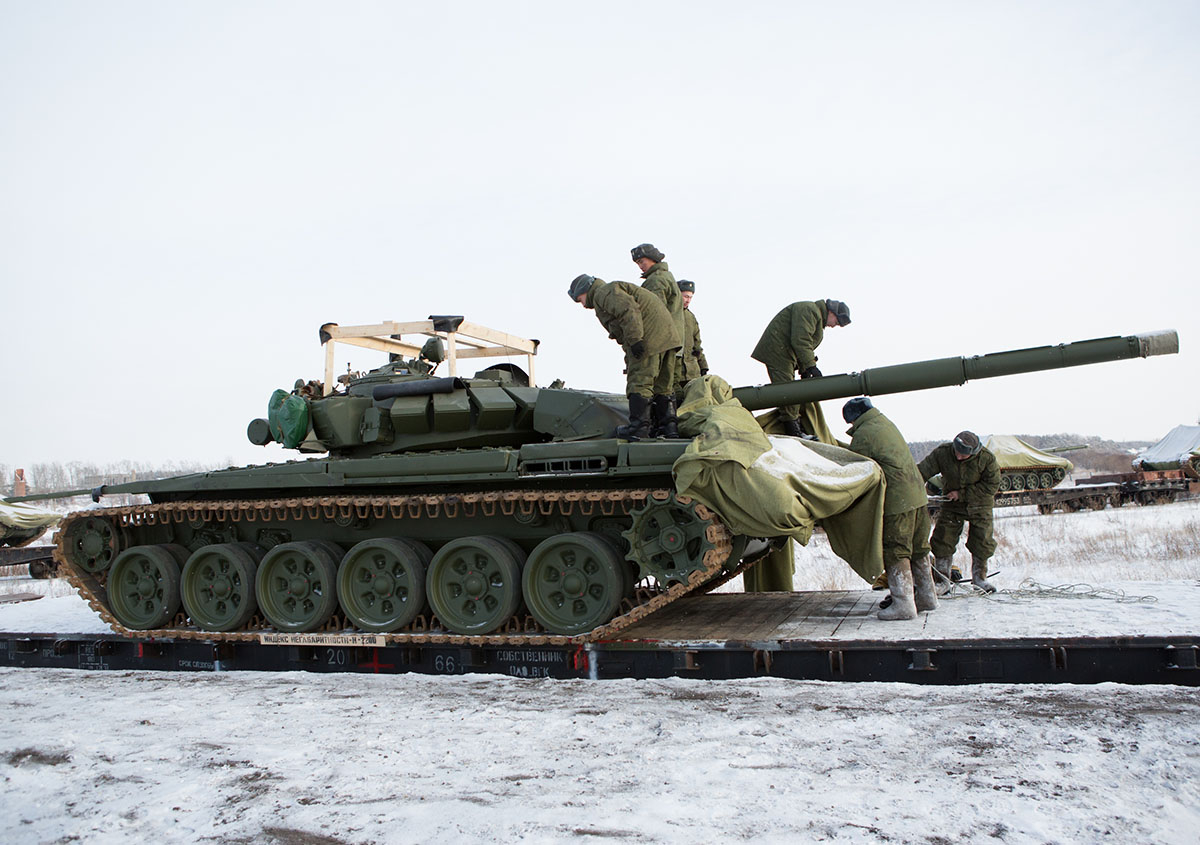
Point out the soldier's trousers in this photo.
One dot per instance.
(948, 528)
(906, 535)
(650, 375)
(783, 375)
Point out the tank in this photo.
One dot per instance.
(449, 509)
(1026, 467)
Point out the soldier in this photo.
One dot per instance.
(690, 363)
(905, 519)
(659, 279)
(970, 479)
(638, 320)
(787, 346)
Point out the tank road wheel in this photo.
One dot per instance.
(93, 543)
(381, 583)
(218, 585)
(1046, 481)
(669, 539)
(1005, 483)
(574, 582)
(295, 585)
(1017, 483)
(143, 586)
(1031, 480)
(474, 583)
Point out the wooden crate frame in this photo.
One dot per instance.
(469, 340)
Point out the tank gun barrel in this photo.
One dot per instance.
(949, 372)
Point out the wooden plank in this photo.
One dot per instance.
(497, 337)
(380, 344)
(329, 382)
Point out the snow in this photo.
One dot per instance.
(146, 757)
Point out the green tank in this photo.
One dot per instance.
(448, 509)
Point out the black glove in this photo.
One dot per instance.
(638, 350)
(811, 372)
(704, 371)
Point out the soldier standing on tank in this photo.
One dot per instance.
(638, 320)
(970, 479)
(788, 345)
(905, 518)
(690, 363)
(659, 279)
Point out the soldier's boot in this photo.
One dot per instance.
(900, 582)
(664, 409)
(941, 575)
(979, 575)
(639, 419)
(923, 590)
(792, 428)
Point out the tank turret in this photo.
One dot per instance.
(448, 508)
(394, 409)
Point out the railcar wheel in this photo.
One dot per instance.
(143, 586)
(218, 585)
(296, 585)
(381, 583)
(474, 583)
(670, 538)
(574, 582)
(93, 543)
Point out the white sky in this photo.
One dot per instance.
(188, 191)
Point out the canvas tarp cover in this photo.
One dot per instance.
(778, 486)
(1173, 450)
(22, 516)
(1012, 451)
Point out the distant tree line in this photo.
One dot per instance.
(80, 475)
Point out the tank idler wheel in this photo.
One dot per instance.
(296, 585)
(474, 583)
(218, 585)
(575, 582)
(143, 585)
(381, 583)
(669, 539)
(93, 543)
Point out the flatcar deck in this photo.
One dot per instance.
(1146, 636)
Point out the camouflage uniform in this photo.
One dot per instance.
(787, 345)
(660, 280)
(905, 518)
(631, 313)
(690, 361)
(976, 479)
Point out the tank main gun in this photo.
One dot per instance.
(951, 372)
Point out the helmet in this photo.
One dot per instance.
(855, 408)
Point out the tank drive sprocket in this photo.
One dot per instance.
(670, 538)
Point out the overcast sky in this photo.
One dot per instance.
(189, 190)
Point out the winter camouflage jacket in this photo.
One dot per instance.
(875, 436)
(792, 336)
(661, 280)
(631, 313)
(692, 352)
(977, 478)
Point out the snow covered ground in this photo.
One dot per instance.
(297, 758)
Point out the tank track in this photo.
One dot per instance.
(519, 631)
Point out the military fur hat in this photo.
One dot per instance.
(840, 310)
(686, 286)
(647, 251)
(967, 443)
(580, 284)
(855, 408)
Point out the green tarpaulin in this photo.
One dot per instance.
(778, 486)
